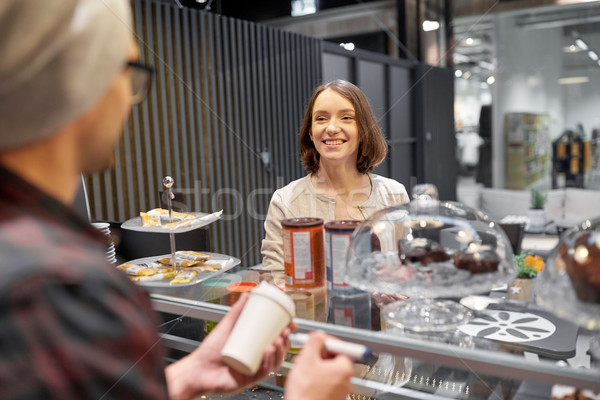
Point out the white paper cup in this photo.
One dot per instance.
(264, 316)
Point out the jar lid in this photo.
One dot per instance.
(239, 287)
(304, 222)
(348, 225)
(301, 222)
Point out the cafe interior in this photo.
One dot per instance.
(486, 285)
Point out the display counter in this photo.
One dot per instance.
(513, 350)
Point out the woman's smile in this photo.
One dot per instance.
(334, 142)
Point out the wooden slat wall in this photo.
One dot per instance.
(224, 90)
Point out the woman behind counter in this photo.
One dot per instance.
(340, 142)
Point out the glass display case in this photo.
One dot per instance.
(504, 356)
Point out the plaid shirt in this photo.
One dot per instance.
(71, 325)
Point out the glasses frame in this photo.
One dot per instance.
(144, 73)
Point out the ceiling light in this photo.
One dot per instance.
(472, 41)
(571, 49)
(490, 80)
(592, 54)
(430, 25)
(458, 73)
(573, 80)
(348, 46)
(581, 44)
(467, 75)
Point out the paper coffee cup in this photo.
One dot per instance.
(267, 312)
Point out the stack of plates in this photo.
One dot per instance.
(104, 227)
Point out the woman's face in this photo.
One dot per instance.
(334, 130)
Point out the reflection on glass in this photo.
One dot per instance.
(425, 191)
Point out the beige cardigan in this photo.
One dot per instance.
(300, 199)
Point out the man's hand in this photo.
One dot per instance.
(203, 370)
(318, 375)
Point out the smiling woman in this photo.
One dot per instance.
(340, 143)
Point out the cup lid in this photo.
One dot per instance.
(277, 295)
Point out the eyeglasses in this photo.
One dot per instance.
(141, 75)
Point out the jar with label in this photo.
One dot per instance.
(338, 235)
(353, 311)
(303, 252)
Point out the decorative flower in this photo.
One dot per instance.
(529, 265)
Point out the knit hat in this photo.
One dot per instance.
(57, 57)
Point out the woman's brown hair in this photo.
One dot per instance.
(372, 148)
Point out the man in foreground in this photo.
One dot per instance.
(71, 325)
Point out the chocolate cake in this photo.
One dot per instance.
(421, 250)
(477, 260)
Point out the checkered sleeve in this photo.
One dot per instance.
(72, 336)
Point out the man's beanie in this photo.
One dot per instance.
(57, 57)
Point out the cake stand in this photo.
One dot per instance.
(430, 251)
(202, 219)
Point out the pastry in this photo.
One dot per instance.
(477, 259)
(583, 266)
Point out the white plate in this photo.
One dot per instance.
(226, 262)
(135, 224)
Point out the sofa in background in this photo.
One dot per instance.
(566, 207)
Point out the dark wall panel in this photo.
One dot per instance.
(437, 162)
(372, 79)
(402, 133)
(337, 66)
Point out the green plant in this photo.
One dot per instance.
(537, 199)
(529, 265)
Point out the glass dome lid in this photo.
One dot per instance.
(569, 285)
(428, 248)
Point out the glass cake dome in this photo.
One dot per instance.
(569, 285)
(428, 248)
